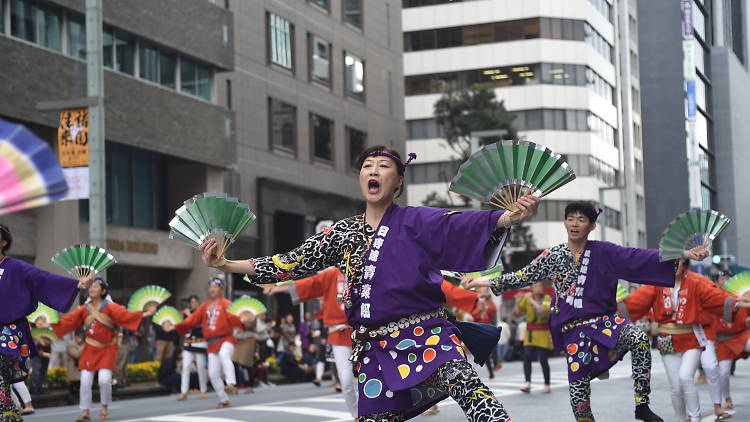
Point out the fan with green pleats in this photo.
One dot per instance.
(455, 277)
(690, 230)
(211, 216)
(501, 173)
(44, 333)
(43, 311)
(167, 314)
(146, 296)
(83, 260)
(247, 304)
(622, 291)
(739, 284)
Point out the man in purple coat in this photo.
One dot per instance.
(583, 320)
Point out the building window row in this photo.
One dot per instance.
(419, 3)
(526, 74)
(554, 210)
(351, 10)
(590, 166)
(281, 53)
(604, 8)
(597, 41)
(442, 171)
(282, 133)
(64, 31)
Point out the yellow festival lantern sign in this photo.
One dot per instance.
(73, 138)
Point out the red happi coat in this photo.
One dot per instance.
(733, 347)
(698, 297)
(327, 285)
(216, 322)
(458, 297)
(100, 348)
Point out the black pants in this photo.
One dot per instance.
(532, 353)
(38, 374)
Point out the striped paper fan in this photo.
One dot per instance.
(211, 216)
(84, 260)
(455, 277)
(44, 333)
(739, 284)
(622, 291)
(690, 230)
(500, 173)
(247, 304)
(43, 311)
(167, 313)
(147, 295)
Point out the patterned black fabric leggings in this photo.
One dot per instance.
(8, 410)
(459, 380)
(631, 339)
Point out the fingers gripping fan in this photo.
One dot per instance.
(43, 311)
(739, 284)
(454, 277)
(84, 260)
(211, 216)
(500, 173)
(247, 304)
(44, 333)
(690, 230)
(146, 296)
(167, 314)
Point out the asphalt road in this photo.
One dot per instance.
(612, 401)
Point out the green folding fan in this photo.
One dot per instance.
(43, 311)
(247, 304)
(501, 173)
(83, 260)
(44, 333)
(454, 277)
(210, 216)
(146, 296)
(622, 291)
(739, 284)
(167, 313)
(690, 230)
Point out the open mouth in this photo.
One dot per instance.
(574, 231)
(373, 186)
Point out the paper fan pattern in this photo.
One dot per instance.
(30, 173)
(50, 315)
(500, 173)
(739, 284)
(454, 277)
(44, 332)
(689, 230)
(147, 295)
(167, 313)
(246, 304)
(622, 291)
(210, 216)
(83, 260)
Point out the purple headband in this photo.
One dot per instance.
(412, 156)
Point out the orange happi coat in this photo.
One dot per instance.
(733, 347)
(103, 355)
(216, 322)
(327, 285)
(697, 298)
(458, 297)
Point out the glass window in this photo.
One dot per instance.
(142, 193)
(50, 26)
(357, 142)
(478, 34)
(195, 79)
(442, 38)
(320, 57)
(700, 93)
(119, 187)
(167, 69)
(280, 41)
(700, 56)
(321, 130)
(325, 4)
(108, 48)
(149, 62)
(125, 53)
(699, 21)
(22, 16)
(282, 124)
(353, 12)
(205, 82)
(354, 68)
(701, 129)
(76, 36)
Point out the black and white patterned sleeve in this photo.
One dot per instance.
(551, 263)
(317, 253)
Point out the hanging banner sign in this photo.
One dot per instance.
(73, 138)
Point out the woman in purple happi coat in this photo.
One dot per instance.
(408, 355)
(584, 322)
(23, 286)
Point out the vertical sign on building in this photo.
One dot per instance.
(694, 171)
(73, 151)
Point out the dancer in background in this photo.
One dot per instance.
(194, 349)
(537, 342)
(29, 285)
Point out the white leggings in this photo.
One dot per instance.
(105, 387)
(681, 369)
(711, 367)
(200, 363)
(23, 393)
(218, 363)
(725, 369)
(344, 369)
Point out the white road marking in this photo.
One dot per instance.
(309, 411)
(178, 418)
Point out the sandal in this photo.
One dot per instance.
(230, 389)
(223, 405)
(104, 415)
(526, 388)
(28, 411)
(724, 416)
(182, 397)
(83, 418)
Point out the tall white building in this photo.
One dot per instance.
(567, 69)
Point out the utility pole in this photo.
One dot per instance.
(95, 91)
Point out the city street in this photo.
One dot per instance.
(612, 401)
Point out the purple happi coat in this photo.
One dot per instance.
(23, 286)
(586, 287)
(394, 270)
